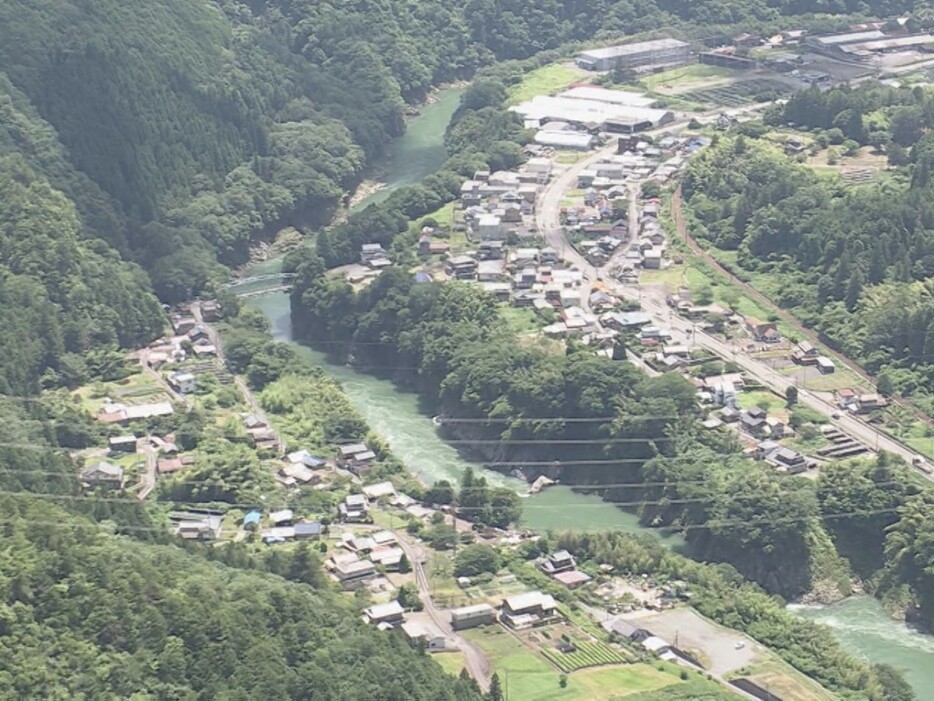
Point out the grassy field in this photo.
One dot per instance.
(747, 400)
(546, 80)
(451, 662)
(694, 73)
(521, 320)
(787, 683)
(525, 675)
(138, 388)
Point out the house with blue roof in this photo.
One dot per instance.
(251, 520)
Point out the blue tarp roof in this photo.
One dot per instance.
(422, 277)
(252, 518)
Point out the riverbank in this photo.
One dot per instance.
(866, 630)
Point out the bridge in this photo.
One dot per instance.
(278, 277)
(264, 291)
(257, 285)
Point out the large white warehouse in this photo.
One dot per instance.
(615, 97)
(592, 115)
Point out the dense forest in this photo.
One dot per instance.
(854, 263)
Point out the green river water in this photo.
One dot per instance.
(860, 623)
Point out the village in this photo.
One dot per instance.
(577, 243)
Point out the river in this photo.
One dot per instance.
(864, 628)
(396, 417)
(420, 151)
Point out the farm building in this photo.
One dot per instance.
(614, 97)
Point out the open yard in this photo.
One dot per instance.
(786, 682)
(138, 388)
(747, 400)
(546, 80)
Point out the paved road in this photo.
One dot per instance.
(478, 666)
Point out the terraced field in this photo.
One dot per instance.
(586, 655)
(735, 94)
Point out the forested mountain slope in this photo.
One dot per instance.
(86, 615)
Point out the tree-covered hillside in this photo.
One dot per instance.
(87, 615)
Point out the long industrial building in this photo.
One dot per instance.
(591, 115)
(616, 97)
(644, 53)
(862, 46)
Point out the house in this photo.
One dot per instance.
(354, 508)
(652, 259)
(252, 421)
(489, 226)
(793, 145)
(626, 320)
(461, 267)
(775, 427)
(780, 456)
(490, 250)
(285, 517)
(371, 251)
(298, 473)
(825, 365)
(169, 465)
(491, 270)
(251, 520)
(628, 630)
(308, 531)
(389, 614)
(752, 420)
(203, 350)
(867, 403)
(528, 609)
(388, 556)
(103, 474)
(199, 333)
(183, 325)
(207, 528)
(182, 382)
(353, 573)
(845, 398)
(359, 544)
(764, 332)
(122, 444)
(426, 636)
(572, 579)
(560, 561)
(379, 490)
(355, 457)
(472, 616)
(384, 538)
(303, 457)
(211, 310)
